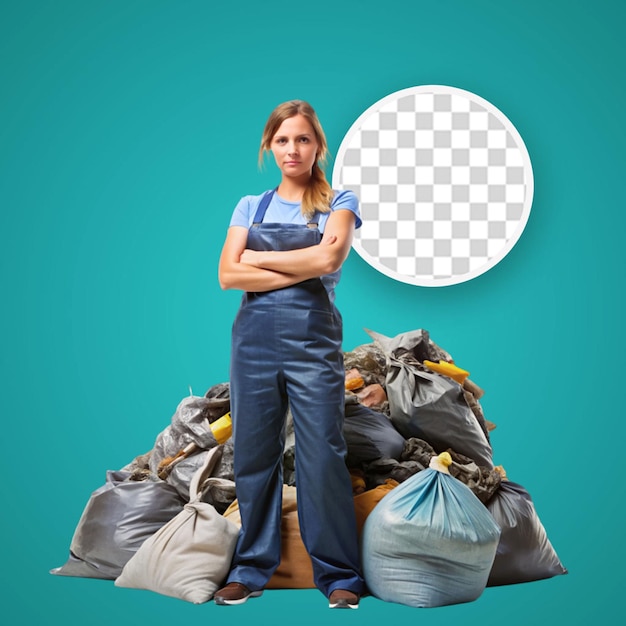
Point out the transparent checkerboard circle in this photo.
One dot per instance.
(444, 181)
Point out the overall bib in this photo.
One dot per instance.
(286, 351)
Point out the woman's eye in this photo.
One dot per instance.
(304, 139)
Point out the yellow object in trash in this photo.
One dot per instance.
(448, 369)
(445, 459)
(222, 428)
(441, 462)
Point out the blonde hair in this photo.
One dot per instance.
(318, 195)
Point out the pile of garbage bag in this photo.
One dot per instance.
(437, 521)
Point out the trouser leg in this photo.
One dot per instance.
(325, 501)
(258, 408)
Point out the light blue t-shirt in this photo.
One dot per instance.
(283, 212)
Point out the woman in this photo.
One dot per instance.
(286, 351)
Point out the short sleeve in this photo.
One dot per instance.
(241, 214)
(346, 199)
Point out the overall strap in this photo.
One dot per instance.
(262, 208)
(265, 202)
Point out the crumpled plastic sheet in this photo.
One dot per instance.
(377, 472)
(414, 458)
(417, 450)
(483, 481)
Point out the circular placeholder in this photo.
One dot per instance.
(444, 181)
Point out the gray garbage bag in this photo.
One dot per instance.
(190, 424)
(524, 553)
(117, 519)
(369, 435)
(220, 495)
(427, 405)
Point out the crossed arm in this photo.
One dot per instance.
(251, 270)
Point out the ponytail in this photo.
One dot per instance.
(318, 195)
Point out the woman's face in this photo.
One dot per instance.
(295, 147)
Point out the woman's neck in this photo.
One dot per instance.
(292, 189)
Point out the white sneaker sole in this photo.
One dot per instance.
(223, 602)
(342, 605)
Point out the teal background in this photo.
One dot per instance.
(129, 130)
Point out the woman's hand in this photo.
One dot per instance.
(250, 257)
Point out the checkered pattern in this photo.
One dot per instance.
(445, 185)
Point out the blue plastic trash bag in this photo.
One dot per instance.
(429, 542)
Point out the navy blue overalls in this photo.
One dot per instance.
(286, 349)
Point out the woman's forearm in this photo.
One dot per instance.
(249, 278)
(305, 262)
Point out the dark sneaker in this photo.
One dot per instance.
(234, 593)
(343, 599)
